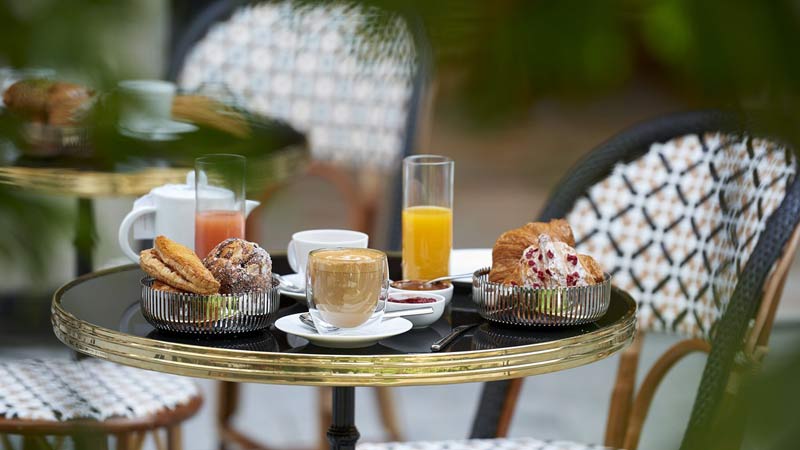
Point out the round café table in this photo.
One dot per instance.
(98, 314)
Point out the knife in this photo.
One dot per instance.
(454, 333)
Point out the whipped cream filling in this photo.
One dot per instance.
(550, 264)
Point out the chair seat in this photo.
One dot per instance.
(482, 444)
(90, 389)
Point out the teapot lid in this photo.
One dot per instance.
(187, 191)
(179, 191)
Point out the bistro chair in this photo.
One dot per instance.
(46, 401)
(698, 221)
(352, 78)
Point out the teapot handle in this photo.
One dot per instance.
(125, 230)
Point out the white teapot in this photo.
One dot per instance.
(167, 210)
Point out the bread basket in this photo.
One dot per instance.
(209, 314)
(525, 306)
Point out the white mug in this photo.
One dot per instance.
(167, 210)
(305, 241)
(145, 102)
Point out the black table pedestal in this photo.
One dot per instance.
(85, 236)
(342, 433)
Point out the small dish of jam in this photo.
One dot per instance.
(418, 287)
(412, 300)
(399, 301)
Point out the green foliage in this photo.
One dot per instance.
(29, 228)
(500, 57)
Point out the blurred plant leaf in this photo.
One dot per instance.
(29, 228)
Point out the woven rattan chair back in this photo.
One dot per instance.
(342, 74)
(690, 215)
(676, 224)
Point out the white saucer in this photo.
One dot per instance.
(469, 260)
(160, 130)
(344, 338)
(297, 280)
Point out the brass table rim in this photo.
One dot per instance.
(98, 183)
(335, 369)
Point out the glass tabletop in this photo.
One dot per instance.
(99, 314)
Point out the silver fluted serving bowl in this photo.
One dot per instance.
(209, 314)
(520, 305)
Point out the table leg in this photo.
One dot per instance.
(84, 236)
(343, 435)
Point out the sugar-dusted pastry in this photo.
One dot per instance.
(67, 102)
(550, 264)
(594, 273)
(28, 98)
(164, 287)
(152, 265)
(48, 101)
(240, 266)
(185, 263)
(510, 246)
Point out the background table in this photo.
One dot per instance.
(99, 315)
(87, 178)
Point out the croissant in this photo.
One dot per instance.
(509, 247)
(594, 273)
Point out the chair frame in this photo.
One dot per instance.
(129, 433)
(362, 202)
(629, 407)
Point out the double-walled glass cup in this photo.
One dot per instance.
(346, 288)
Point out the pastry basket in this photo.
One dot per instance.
(525, 306)
(209, 314)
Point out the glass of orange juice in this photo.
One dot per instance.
(427, 216)
(220, 196)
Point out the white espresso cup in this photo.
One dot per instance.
(145, 103)
(304, 242)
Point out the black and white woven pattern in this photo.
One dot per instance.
(483, 444)
(676, 225)
(321, 68)
(58, 390)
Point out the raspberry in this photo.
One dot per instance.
(550, 254)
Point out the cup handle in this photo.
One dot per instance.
(125, 230)
(290, 256)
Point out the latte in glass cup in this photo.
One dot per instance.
(346, 287)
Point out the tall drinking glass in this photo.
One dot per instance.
(220, 200)
(427, 216)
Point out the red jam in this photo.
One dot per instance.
(412, 300)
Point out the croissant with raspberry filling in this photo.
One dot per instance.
(541, 255)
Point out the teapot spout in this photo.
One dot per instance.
(249, 206)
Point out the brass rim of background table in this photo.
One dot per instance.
(337, 370)
(88, 183)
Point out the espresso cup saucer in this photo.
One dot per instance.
(156, 130)
(298, 280)
(356, 338)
